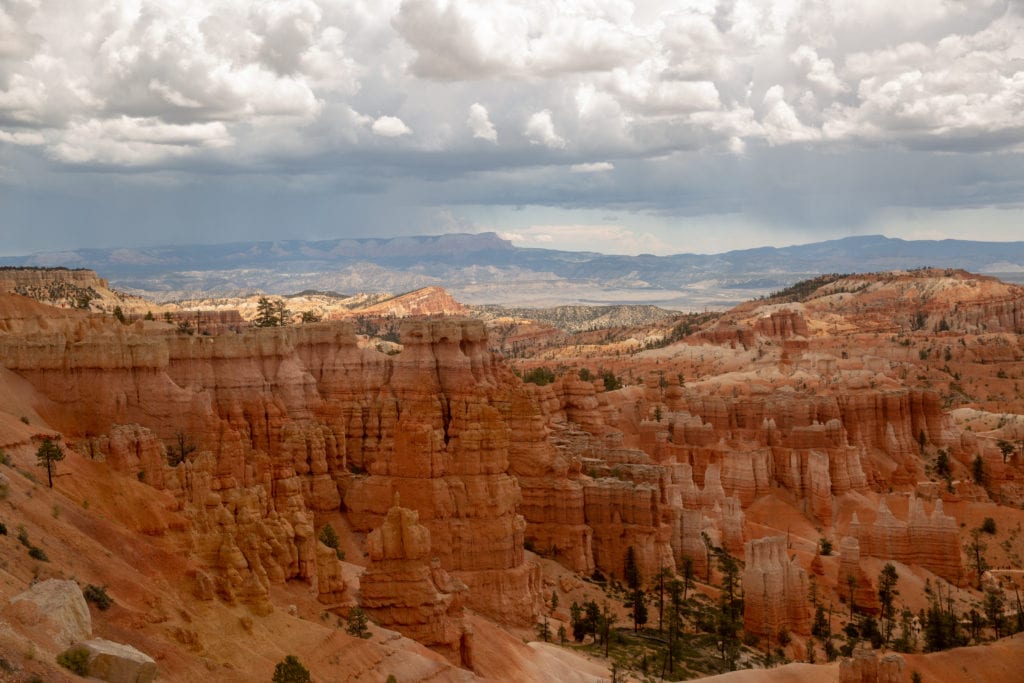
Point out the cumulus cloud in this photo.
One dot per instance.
(479, 122)
(540, 130)
(651, 89)
(390, 127)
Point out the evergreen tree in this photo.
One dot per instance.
(638, 608)
(887, 593)
(48, 455)
(544, 630)
(266, 313)
(976, 556)
(630, 571)
(357, 623)
(993, 605)
(554, 602)
(576, 621)
(291, 670)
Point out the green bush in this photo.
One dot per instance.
(75, 660)
(291, 670)
(611, 381)
(97, 595)
(539, 376)
(36, 553)
(989, 525)
(3, 529)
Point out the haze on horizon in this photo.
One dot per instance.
(602, 125)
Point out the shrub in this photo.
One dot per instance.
(75, 660)
(97, 595)
(540, 376)
(330, 539)
(989, 525)
(3, 529)
(586, 375)
(290, 671)
(4, 458)
(36, 553)
(826, 546)
(611, 381)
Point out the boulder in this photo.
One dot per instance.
(54, 607)
(118, 663)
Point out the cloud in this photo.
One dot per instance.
(593, 167)
(609, 239)
(540, 130)
(390, 127)
(480, 123)
(778, 110)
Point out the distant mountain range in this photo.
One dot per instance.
(484, 268)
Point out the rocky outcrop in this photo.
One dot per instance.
(775, 589)
(865, 598)
(53, 609)
(624, 514)
(280, 424)
(118, 663)
(43, 280)
(867, 667)
(406, 590)
(929, 540)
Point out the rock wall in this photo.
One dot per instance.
(865, 597)
(405, 589)
(774, 588)
(289, 422)
(929, 540)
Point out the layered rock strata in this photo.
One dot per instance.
(929, 540)
(405, 589)
(268, 428)
(865, 598)
(775, 589)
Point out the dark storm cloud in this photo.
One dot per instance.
(147, 122)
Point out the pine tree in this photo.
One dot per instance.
(266, 313)
(886, 596)
(357, 623)
(48, 455)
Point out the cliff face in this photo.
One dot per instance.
(775, 589)
(404, 589)
(287, 423)
(930, 540)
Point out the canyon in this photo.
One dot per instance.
(202, 469)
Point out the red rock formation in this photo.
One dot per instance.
(775, 589)
(403, 589)
(866, 667)
(421, 302)
(281, 419)
(865, 598)
(931, 541)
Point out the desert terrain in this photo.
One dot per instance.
(825, 483)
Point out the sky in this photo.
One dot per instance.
(605, 125)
